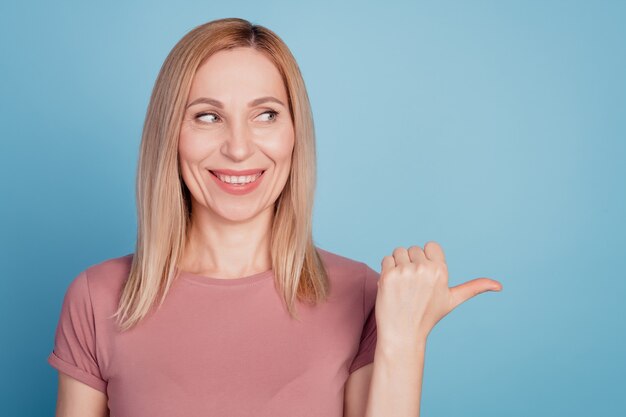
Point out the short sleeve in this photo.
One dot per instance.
(367, 344)
(74, 351)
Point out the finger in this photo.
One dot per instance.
(434, 252)
(401, 255)
(387, 263)
(417, 254)
(469, 289)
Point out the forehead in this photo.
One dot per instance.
(238, 72)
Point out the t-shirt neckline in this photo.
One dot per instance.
(208, 280)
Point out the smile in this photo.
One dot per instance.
(238, 185)
(238, 180)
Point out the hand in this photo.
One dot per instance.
(413, 294)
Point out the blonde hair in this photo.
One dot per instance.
(163, 200)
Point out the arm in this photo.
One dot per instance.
(76, 399)
(396, 385)
(356, 391)
(413, 295)
(81, 387)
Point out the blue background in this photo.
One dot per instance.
(494, 128)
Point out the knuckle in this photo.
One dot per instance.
(408, 269)
(398, 249)
(429, 274)
(430, 280)
(431, 243)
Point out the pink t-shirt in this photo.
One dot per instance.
(219, 347)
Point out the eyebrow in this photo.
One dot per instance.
(219, 104)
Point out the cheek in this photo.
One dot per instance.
(280, 146)
(191, 146)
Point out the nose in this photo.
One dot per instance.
(238, 144)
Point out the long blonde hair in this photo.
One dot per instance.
(163, 200)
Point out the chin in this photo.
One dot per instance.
(235, 215)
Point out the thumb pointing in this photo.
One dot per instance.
(469, 289)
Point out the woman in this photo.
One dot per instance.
(227, 307)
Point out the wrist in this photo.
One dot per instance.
(400, 347)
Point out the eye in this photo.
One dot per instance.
(201, 116)
(273, 113)
(205, 117)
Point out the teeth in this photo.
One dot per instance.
(244, 179)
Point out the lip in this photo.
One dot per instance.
(237, 173)
(238, 189)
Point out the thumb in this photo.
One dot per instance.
(469, 289)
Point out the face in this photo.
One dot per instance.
(236, 123)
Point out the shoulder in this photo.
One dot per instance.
(343, 268)
(104, 281)
(336, 264)
(110, 269)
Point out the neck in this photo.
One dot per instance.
(222, 247)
